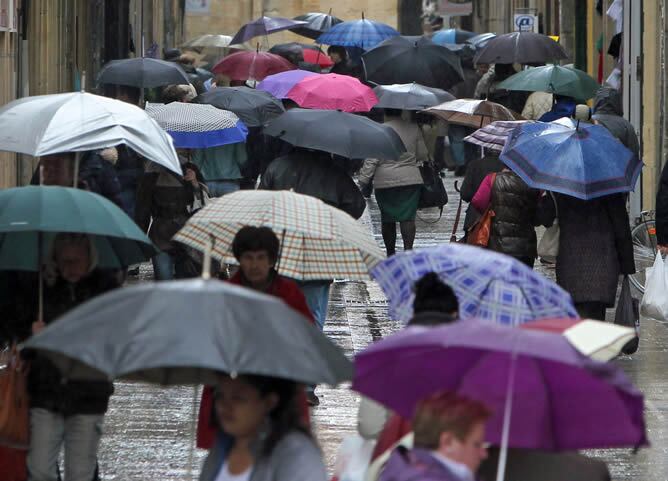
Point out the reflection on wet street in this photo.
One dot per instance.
(149, 431)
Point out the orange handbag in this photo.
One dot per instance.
(480, 232)
(14, 408)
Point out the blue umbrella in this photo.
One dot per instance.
(198, 126)
(451, 35)
(584, 161)
(488, 285)
(363, 34)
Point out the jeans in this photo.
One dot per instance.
(461, 151)
(80, 435)
(218, 188)
(317, 298)
(163, 266)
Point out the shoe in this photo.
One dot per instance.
(460, 171)
(312, 399)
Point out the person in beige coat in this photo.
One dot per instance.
(397, 183)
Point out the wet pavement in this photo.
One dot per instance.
(149, 430)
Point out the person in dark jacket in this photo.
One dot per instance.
(476, 172)
(343, 65)
(129, 169)
(662, 212)
(600, 248)
(511, 99)
(608, 112)
(65, 412)
(515, 207)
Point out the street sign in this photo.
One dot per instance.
(526, 23)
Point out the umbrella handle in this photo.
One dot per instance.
(507, 412)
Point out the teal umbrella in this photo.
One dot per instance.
(30, 217)
(553, 79)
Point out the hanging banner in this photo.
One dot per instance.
(455, 8)
(198, 7)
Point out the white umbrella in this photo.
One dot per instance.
(78, 122)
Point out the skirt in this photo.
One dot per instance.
(398, 204)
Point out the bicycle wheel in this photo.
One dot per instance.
(644, 251)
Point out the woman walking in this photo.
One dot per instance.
(397, 183)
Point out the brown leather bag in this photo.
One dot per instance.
(14, 408)
(479, 234)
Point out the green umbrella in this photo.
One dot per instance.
(553, 79)
(32, 216)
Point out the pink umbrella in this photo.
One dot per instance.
(333, 92)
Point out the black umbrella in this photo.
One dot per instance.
(142, 73)
(410, 96)
(399, 60)
(339, 133)
(263, 26)
(480, 41)
(293, 52)
(253, 107)
(316, 24)
(521, 47)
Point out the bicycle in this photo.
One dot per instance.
(644, 247)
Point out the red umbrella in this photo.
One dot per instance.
(252, 65)
(318, 58)
(333, 92)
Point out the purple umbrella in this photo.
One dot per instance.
(280, 84)
(559, 400)
(264, 26)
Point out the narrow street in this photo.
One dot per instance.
(149, 430)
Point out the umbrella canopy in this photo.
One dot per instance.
(198, 126)
(186, 332)
(488, 285)
(264, 26)
(318, 241)
(333, 92)
(33, 215)
(142, 72)
(480, 41)
(601, 341)
(554, 79)
(452, 35)
(252, 65)
(253, 107)
(584, 161)
(280, 84)
(339, 133)
(78, 122)
(317, 23)
(472, 113)
(411, 96)
(318, 58)
(521, 47)
(399, 60)
(560, 399)
(211, 41)
(364, 34)
(493, 136)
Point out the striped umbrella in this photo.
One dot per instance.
(493, 136)
(363, 34)
(198, 126)
(317, 241)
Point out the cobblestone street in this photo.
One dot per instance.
(150, 430)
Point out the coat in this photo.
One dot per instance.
(294, 458)
(315, 174)
(595, 247)
(609, 113)
(476, 172)
(662, 209)
(416, 464)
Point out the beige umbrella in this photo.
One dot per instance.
(472, 113)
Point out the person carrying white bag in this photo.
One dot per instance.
(655, 300)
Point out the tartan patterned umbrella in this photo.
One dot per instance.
(493, 136)
(488, 285)
(317, 241)
(470, 112)
(363, 34)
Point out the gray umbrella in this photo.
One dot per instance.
(184, 332)
(410, 96)
(142, 73)
(521, 47)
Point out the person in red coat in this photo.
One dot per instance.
(256, 249)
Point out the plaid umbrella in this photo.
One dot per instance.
(493, 136)
(363, 34)
(472, 113)
(488, 285)
(317, 241)
(198, 126)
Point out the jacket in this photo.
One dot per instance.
(537, 105)
(221, 163)
(662, 208)
(600, 247)
(294, 458)
(46, 387)
(609, 113)
(416, 465)
(315, 174)
(476, 172)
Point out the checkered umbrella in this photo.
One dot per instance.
(493, 136)
(488, 285)
(198, 126)
(317, 241)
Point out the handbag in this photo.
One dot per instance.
(14, 408)
(433, 193)
(481, 231)
(548, 247)
(627, 314)
(655, 299)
